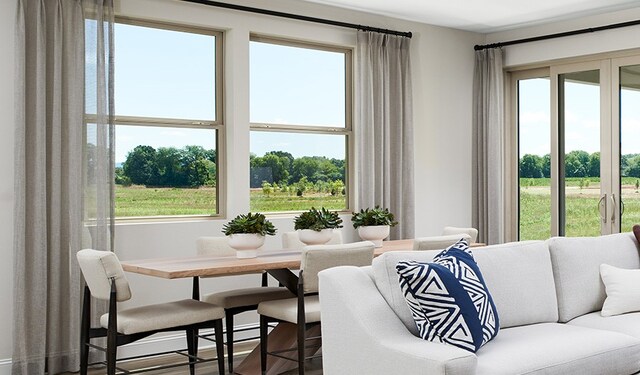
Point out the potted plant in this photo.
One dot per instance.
(247, 232)
(373, 224)
(315, 226)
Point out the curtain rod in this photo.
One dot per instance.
(299, 17)
(557, 35)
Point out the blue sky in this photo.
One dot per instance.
(582, 118)
(169, 74)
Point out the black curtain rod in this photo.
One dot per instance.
(298, 17)
(557, 35)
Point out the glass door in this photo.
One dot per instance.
(625, 201)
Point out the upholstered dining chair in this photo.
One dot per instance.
(438, 242)
(240, 300)
(472, 232)
(105, 280)
(291, 240)
(304, 310)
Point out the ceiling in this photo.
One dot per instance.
(484, 16)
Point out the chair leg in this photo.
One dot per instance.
(112, 351)
(263, 344)
(84, 332)
(228, 315)
(191, 339)
(301, 351)
(219, 345)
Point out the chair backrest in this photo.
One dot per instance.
(291, 240)
(473, 232)
(99, 268)
(320, 257)
(438, 242)
(218, 246)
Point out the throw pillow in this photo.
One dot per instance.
(621, 287)
(449, 300)
(636, 232)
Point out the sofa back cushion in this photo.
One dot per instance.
(576, 269)
(518, 274)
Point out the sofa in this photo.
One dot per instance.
(547, 293)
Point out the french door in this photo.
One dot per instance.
(578, 147)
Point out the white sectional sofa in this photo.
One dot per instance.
(548, 296)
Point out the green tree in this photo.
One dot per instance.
(141, 165)
(633, 169)
(531, 166)
(576, 164)
(546, 166)
(594, 165)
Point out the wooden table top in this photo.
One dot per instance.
(181, 267)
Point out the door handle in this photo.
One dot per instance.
(603, 199)
(613, 209)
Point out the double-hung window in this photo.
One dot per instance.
(300, 113)
(168, 115)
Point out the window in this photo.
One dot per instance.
(300, 126)
(168, 107)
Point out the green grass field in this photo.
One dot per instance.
(140, 201)
(582, 216)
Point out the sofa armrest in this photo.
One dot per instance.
(362, 335)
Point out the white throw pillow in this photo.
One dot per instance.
(623, 290)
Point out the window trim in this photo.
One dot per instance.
(347, 130)
(216, 124)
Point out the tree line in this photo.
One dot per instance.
(195, 166)
(577, 164)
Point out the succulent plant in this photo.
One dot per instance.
(250, 223)
(373, 216)
(317, 220)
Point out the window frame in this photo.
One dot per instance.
(347, 130)
(216, 125)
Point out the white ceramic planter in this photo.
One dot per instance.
(311, 237)
(374, 233)
(246, 244)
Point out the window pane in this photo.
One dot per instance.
(535, 162)
(165, 171)
(297, 86)
(164, 73)
(579, 100)
(295, 171)
(629, 147)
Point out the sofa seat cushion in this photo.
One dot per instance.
(553, 348)
(576, 269)
(518, 275)
(626, 323)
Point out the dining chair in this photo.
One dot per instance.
(235, 301)
(438, 242)
(472, 232)
(291, 240)
(304, 309)
(105, 280)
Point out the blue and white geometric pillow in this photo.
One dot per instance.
(449, 300)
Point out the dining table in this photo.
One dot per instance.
(278, 263)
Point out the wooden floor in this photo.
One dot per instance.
(313, 367)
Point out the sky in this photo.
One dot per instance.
(582, 118)
(169, 74)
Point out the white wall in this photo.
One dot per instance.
(442, 62)
(579, 45)
(7, 23)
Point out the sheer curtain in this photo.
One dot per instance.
(51, 140)
(488, 146)
(385, 127)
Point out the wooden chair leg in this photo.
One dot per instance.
(84, 331)
(229, 324)
(263, 344)
(112, 351)
(219, 345)
(301, 351)
(191, 349)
